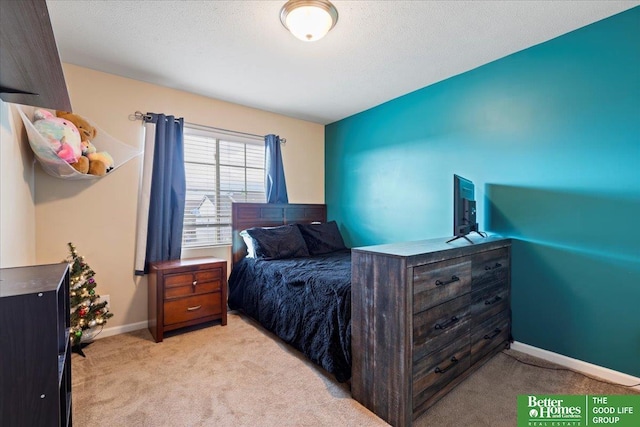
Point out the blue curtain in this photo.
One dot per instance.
(167, 190)
(275, 184)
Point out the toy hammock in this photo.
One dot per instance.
(55, 166)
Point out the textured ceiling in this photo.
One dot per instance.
(238, 51)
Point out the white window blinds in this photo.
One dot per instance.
(219, 169)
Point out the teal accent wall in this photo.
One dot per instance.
(551, 138)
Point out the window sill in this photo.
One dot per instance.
(222, 251)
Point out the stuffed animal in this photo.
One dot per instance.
(88, 148)
(67, 153)
(103, 158)
(87, 132)
(97, 163)
(62, 135)
(82, 165)
(97, 167)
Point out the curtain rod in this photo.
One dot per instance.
(138, 115)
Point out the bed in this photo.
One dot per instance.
(304, 299)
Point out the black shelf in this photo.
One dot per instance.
(35, 374)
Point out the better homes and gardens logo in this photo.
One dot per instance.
(551, 410)
(578, 410)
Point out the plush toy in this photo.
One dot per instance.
(88, 148)
(82, 165)
(87, 132)
(97, 167)
(96, 163)
(102, 157)
(67, 153)
(62, 135)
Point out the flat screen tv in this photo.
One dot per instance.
(464, 209)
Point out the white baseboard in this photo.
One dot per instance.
(578, 365)
(116, 330)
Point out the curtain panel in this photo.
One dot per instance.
(162, 191)
(275, 184)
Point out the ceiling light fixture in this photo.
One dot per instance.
(309, 20)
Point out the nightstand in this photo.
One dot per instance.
(186, 292)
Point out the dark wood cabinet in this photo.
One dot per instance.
(30, 68)
(35, 360)
(425, 314)
(186, 292)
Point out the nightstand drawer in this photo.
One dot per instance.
(178, 285)
(436, 283)
(208, 279)
(194, 307)
(187, 284)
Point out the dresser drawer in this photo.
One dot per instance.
(445, 323)
(431, 373)
(186, 284)
(490, 267)
(436, 283)
(488, 301)
(488, 335)
(193, 307)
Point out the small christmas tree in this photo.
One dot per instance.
(86, 313)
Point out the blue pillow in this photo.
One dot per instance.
(277, 242)
(322, 238)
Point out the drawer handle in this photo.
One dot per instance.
(495, 333)
(453, 320)
(493, 301)
(488, 267)
(442, 371)
(195, 282)
(197, 307)
(453, 279)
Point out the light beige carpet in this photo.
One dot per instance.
(241, 375)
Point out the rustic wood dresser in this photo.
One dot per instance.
(425, 315)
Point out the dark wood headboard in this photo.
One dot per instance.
(247, 215)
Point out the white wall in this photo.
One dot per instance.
(17, 205)
(99, 217)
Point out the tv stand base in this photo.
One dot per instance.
(484, 235)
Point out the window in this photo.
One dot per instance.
(220, 169)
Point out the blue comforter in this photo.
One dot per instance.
(304, 301)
